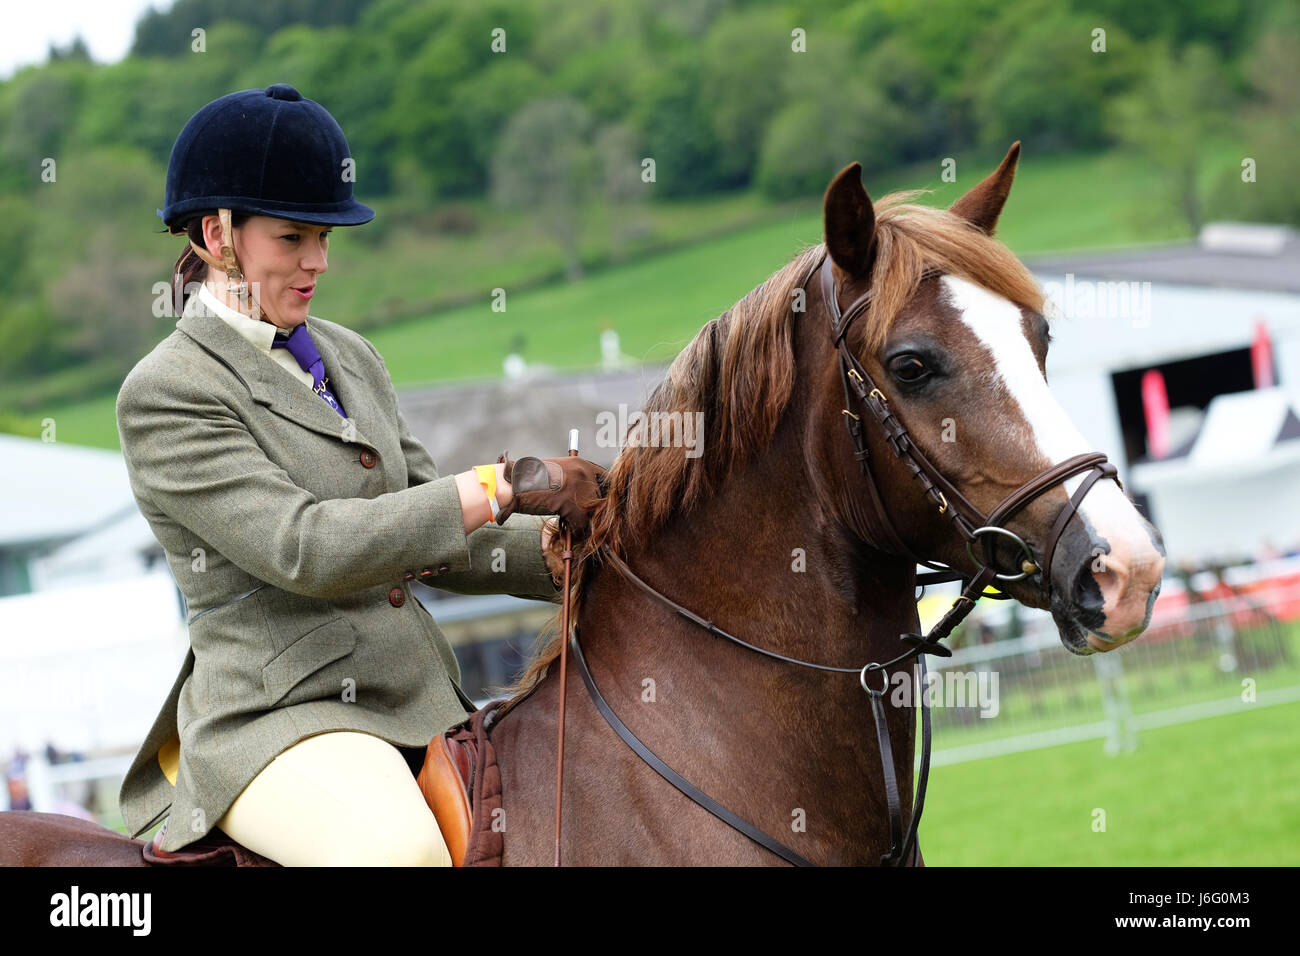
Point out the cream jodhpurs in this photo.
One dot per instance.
(340, 798)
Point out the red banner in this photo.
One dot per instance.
(1261, 356)
(1155, 403)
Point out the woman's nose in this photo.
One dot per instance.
(315, 259)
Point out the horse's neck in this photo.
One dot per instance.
(764, 559)
(764, 562)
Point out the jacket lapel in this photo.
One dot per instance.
(278, 391)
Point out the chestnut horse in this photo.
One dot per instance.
(774, 535)
(771, 534)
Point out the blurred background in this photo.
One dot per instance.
(622, 171)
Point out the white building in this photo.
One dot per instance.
(1230, 485)
(67, 515)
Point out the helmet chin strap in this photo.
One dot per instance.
(235, 281)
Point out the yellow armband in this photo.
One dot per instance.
(487, 477)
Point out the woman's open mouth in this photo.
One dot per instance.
(305, 293)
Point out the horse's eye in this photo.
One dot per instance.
(908, 368)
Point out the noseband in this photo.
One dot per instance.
(971, 523)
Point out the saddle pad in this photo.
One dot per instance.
(214, 849)
(486, 841)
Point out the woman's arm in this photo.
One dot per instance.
(484, 538)
(473, 497)
(190, 457)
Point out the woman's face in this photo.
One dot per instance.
(281, 260)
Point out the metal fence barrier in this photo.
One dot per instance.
(1210, 658)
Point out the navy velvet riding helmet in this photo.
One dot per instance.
(264, 152)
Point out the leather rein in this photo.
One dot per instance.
(968, 520)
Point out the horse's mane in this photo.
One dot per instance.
(739, 370)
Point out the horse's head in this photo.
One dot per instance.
(956, 340)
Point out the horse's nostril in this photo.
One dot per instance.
(1087, 597)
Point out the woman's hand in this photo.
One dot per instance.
(568, 487)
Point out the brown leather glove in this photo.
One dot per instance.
(568, 487)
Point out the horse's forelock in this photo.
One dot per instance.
(911, 238)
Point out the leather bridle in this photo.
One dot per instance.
(968, 520)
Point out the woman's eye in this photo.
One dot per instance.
(908, 368)
(292, 237)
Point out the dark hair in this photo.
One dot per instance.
(189, 266)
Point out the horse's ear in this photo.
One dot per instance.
(850, 223)
(983, 204)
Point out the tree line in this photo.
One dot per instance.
(545, 104)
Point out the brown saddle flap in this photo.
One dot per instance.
(444, 780)
(461, 782)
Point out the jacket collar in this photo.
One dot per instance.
(279, 392)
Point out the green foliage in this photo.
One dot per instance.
(41, 108)
(168, 32)
(1171, 116)
(677, 130)
(1043, 78)
(744, 57)
(1270, 131)
(798, 157)
(430, 121)
(545, 161)
(1221, 24)
(711, 90)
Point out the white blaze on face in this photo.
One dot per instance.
(996, 322)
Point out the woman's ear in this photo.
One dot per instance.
(212, 235)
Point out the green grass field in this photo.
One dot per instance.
(658, 301)
(1222, 791)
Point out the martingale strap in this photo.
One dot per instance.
(672, 776)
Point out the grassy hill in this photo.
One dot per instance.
(659, 301)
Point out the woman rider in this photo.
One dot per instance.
(266, 449)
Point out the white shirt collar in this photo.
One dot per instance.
(257, 332)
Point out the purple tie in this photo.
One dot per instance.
(302, 348)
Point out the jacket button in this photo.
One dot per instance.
(368, 458)
(428, 573)
(396, 597)
(444, 568)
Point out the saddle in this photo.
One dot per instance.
(461, 783)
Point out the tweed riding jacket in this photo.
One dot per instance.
(291, 533)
